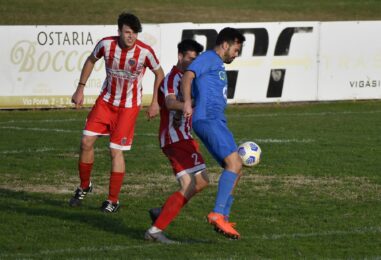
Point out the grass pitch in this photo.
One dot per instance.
(316, 194)
(198, 11)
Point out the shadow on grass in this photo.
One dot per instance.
(36, 204)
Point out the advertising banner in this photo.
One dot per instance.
(350, 60)
(41, 65)
(279, 62)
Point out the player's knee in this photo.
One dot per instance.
(188, 190)
(202, 181)
(234, 165)
(87, 143)
(116, 153)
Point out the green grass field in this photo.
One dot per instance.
(316, 194)
(197, 11)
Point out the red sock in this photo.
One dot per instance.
(116, 181)
(84, 174)
(171, 208)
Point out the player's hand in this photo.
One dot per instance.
(187, 110)
(77, 98)
(177, 119)
(152, 111)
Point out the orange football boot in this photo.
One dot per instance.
(222, 226)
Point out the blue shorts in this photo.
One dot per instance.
(217, 138)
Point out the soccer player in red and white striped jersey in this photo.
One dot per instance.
(172, 128)
(177, 144)
(117, 107)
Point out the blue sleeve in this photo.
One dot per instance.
(200, 65)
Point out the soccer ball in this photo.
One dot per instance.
(250, 153)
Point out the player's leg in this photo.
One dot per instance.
(86, 159)
(171, 208)
(85, 166)
(186, 162)
(93, 129)
(175, 202)
(121, 137)
(116, 180)
(220, 143)
(224, 199)
(201, 181)
(189, 168)
(190, 184)
(96, 125)
(188, 188)
(233, 163)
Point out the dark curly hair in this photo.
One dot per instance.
(189, 45)
(230, 35)
(130, 20)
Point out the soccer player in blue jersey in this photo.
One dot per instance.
(206, 80)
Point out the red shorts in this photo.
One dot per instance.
(117, 122)
(184, 157)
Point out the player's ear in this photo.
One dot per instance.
(225, 46)
(180, 56)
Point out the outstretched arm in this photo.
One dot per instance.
(78, 95)
(186, 87)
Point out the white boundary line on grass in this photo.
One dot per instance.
(52, 149)
(42, 121)
(75, 150)
(270, 114)
(57, 130)
(281, 141)
(357, 231)
(266, 140)
(285, 114)
(38, 129)
(79, 250)
(41, 150)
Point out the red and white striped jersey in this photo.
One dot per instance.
(124, 70)
(168, 133)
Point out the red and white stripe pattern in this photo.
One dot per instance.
(168, 133)
(124, 70)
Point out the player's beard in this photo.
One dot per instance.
(227, 58)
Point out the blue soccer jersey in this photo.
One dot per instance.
(209, 91)
(209, 88)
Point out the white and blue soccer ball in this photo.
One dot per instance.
(250, 153)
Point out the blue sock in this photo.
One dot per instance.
(225, 187)
(228, 206)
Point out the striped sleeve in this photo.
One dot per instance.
(151, 60)
(170, 84)
(99, 50)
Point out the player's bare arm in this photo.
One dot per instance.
(154, 108)
(172, 103)
(186, 85)
(78, 95)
